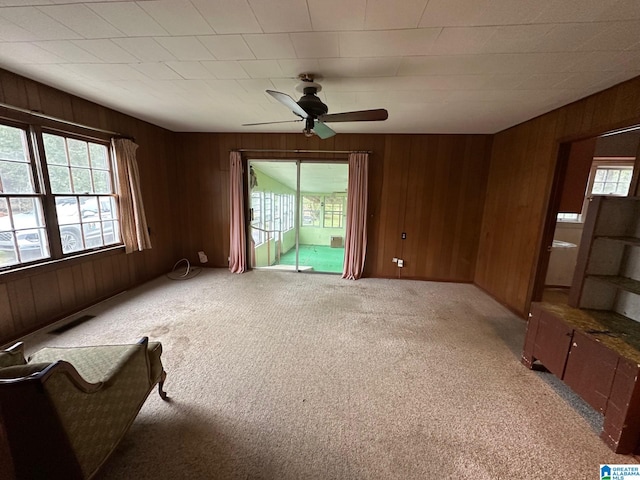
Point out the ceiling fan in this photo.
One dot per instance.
(313, 112)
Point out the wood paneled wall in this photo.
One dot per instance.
(523, 162)
(430, 186)
(34, 297)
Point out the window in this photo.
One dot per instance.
(311, 205)
(271, 211)
(333, 212)
(607, 177)
(64, 204)
(323, 211)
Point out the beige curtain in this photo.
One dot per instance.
(237, 239)
(133, 223)
(355, 247)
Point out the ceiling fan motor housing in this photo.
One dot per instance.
(311, 104)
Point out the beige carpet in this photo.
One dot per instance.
(285, 376)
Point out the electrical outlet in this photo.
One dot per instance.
(400, 263)
(395, 260)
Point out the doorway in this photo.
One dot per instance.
(603, 165)
(297, 215)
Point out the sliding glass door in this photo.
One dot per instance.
(298, 215)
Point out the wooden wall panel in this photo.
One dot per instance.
(430, 186)
(523, 161)
(34, 297)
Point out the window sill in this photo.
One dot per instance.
(52, 265)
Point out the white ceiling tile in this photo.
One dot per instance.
(622, 10)
(443, 64)
(566, 37)
(582, 80)
(600, 62)
(387, 43)
(226, 86)
(316, 44)
(226, 69)
(516, 38)
(106, 72)
(262, 68)
(185, 48)
(11, 32)
(190, 70)
(270, 45)
(227, 47)
(281, 15)
(27, 53)
(228, 16)
(257, 86)
(129, 18)
(330, 15)
(106, 50)
(82, 20)
(33, 20)
(292, 68)
(156, 71)
(559, 11)
(463, 40)
(68, 51)
(614, 37)
(145, 49)
(542, 81)
(359, 67)
(385, 15)
(178, 17)
(443, 13)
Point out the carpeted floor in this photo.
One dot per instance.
(282, 376)
(321, 257)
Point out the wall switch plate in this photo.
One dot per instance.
(395, 260)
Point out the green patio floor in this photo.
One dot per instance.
(320, 257)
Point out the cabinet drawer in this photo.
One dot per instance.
(590, 370)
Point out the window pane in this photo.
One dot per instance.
(598, 188)
(98, 155)
(28, 241)
(623, 189)
(8, 254)
(32, 244)
(601, 175)
(15, 177)
(111, 232)
(67, 209)
(609, 188)
(26, 213)
(60, 180)
(71, 238)
(625, 175)
(92, 234)
(102, 181)
(78, 153)
(54, 149)
(81, 180)
(12, 144)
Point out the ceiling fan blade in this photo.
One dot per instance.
(357, 116)
(322, 130)
(269, 123)
(288, 101)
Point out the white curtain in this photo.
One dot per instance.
(133, 223)
(237, 238)
(355, 247)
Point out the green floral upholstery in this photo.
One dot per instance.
(95, 392)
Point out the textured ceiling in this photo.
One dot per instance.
(437, 66)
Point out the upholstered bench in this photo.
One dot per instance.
(64, 410)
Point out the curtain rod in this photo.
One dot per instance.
(59, 120)
(298, 151)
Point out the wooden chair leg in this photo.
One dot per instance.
(163, 394)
